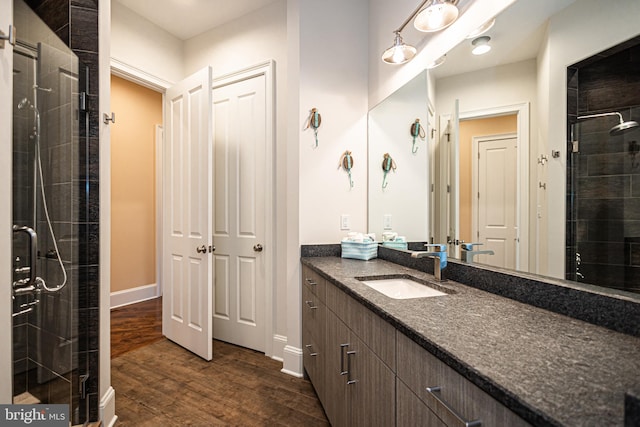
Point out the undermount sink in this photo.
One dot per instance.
(401, 287)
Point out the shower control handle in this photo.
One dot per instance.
(33, 251)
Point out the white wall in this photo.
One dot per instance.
(333, 79)
(406, 197)
(578, 32)
(144, 46)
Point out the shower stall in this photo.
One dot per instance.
(603, 169)
(49, 130)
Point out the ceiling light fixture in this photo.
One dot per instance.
(481, 45)
(400, 52)
(438, 62)
(437, 16)
(482, 29)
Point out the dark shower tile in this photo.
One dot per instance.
(632, 209)
(604, 187)
(59, 165)
(601, 209)
(572, 102)
(37, 382)
(64, 35)
(86, 201)
(634, 255)
(89, 247)
(60, 391)
(93, 330)
(89, 62)
(20, 342)
(572, 77)
(93, 286)
(92, 383)
(84, 21)
(606, 231)
(606, 164)
(88, 4)
(54, 13)
(59, 201)
(599, 142)
(610, 253)
(19, 376)
(635, 186)
(611, 276)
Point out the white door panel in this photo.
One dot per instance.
(188, 215)
(240, 184)
(496, 200)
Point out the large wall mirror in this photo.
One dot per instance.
(496, 169)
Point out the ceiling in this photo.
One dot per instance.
(187, 18)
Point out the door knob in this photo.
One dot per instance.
(257, 248)
(201, 249)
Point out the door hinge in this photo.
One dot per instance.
(448, 188)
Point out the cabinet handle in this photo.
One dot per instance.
(349, 380)
(311, 306)
(311, 353)
(342, 347)
(311, 281)
(435, 392)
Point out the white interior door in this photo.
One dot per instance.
(240, 186)
(496, 199)
(187, 215)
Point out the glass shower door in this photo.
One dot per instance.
(47, 297)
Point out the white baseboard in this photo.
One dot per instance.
(108, 408)
(279, 343)
(133, 295)
(292, 361)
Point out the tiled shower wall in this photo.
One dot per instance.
(603, 179)
(76, 23)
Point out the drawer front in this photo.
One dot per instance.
(315, 282)
(453, 398)
(313, 360)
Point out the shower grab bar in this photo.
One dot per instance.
(33, 251)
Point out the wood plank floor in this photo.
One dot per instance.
(158, 383)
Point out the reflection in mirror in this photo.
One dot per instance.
(512, 146)
(402, 205)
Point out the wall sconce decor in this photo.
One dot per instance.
(388, 164)
(313, 122)
(438, 15)
(346, 163)
(416, 131)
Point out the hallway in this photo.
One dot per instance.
(159, 383)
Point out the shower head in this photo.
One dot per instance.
(620, 128)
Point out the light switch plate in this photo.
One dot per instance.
(345, 222)
(386, 222)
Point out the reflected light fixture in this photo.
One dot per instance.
(437, 16)
(481, 45)
(481, 29)
(400, 52)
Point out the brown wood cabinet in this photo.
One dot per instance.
(368, 374)
(450, 396)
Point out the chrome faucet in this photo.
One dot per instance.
(468, 253)
(439, 253)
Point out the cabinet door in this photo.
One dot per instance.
(411, 411)
(336, 347)
(370, 386)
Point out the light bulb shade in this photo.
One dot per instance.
(399, 53)
(437, 16)
(482, 29)
(481, 45)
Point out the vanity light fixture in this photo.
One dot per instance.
(437, 16)
(400, 52)
(481, 45)
(481, 29)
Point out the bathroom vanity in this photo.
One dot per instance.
(466, 356)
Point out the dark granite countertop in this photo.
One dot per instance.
(548, 368)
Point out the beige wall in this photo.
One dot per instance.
(133, 192)
(468, 130)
